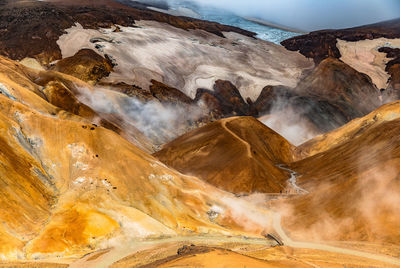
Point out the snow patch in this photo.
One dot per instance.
(171, 55)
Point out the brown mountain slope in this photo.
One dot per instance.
(354, 185)
(69, 186)
(353, 129)
(86, 65)
(237, 154)
(39, 89)
(350, 91)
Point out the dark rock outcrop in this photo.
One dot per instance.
(168, 95)
(86, 65)
(158, 92)
(320, 45)
(225, 100)
(133, 91)
(329, 97)
(31, 28)
(393, 68)
(271, 97)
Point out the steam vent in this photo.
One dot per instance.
(196, 133)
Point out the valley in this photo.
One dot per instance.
(131, 137)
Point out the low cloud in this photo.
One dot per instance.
(290, 125)
(314, 14)
(308, 15)
(289, 122)
(159, 122)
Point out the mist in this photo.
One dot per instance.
(309, 15)
(290, 124)
(159, 122)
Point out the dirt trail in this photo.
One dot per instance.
(115, 254)
(248, 147)
(105, 258)
(305, 245)
(276, 223)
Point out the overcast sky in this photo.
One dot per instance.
(314, 14)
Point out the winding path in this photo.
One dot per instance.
(105, 258)
(248, 147)
(305, 245)
(276, 224)
(108, 257)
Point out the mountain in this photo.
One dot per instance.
(189, 73)
(133, 138)
(320, 45)
(69, 185)
(352, 130)
(328, 97)
(353, 175)
(238, 154)
(370, 49)
(93, 41)
(351, 172)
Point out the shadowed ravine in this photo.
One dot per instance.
(293, 180)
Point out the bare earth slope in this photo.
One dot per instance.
(235, 154)
(78, 185)
(352, 174)
(69, 185)
(353, 129)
